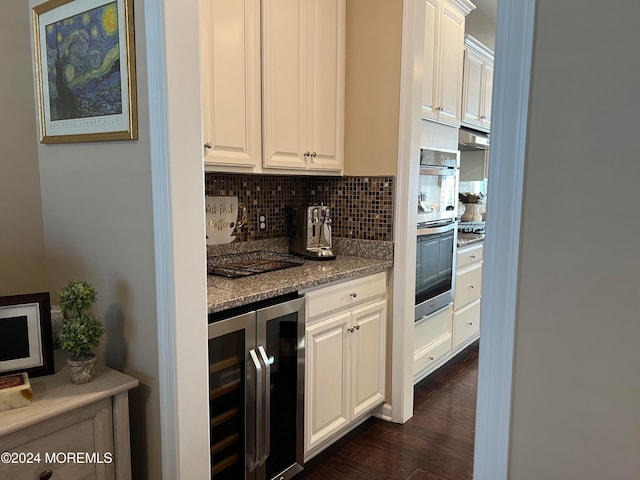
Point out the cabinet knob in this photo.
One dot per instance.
(470, 324)
(357, 327)
(431, 359)
(350, 330)
(208, 145)
(472, 257)
(471, 286)
(354, 295)
(313, 154)
(46, 475)
(306, 154)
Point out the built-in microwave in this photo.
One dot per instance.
(438, 186)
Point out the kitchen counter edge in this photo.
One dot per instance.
(224, 293)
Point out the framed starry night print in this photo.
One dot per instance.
(85, 70)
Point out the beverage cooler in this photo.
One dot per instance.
(256, 383)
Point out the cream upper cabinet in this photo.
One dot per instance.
(443, 59)
(230, 68)
(303, 57)
(477, 84)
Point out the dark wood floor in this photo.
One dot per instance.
(435, 444)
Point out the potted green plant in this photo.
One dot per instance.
(81, 330)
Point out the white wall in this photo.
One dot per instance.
(576, 384)
(22, 259)
(98, 226)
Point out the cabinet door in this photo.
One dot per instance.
(326, 379)
(472, 93)
(230, 43)
(326, 84)
(285, 78)
(368, 357)
(452, 49)
(487, 95)
(431, 43)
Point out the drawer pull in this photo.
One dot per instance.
(350, 330)
(357, 327)
(470, 324)
(431, 359)
(471, 286)
(354, 295)
(46, 475)
(473, 257)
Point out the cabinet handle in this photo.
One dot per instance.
(470, 324)
(357, 327)
(208, 145)
(471, 286)
(431, 359)
(313, 154)
(306, 154)
(354, 295)
(472, 257)
(46, 475)
(350, 330)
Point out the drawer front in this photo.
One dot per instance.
(468, 285)
(431, 328)
(346, 294)
(76, 445)
(469, 255)
(426, 357)
(466, 323)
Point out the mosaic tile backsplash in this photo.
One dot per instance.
(362, 207)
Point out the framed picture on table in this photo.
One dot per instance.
(85, 70)
(26, 340)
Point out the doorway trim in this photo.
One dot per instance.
(513, 60)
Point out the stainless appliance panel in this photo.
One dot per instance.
(280, 331)
(435, 268)
(256, 364)
(234, 383)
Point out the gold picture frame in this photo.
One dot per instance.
(85, 70)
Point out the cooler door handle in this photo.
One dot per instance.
(266, 398)
(254, 399)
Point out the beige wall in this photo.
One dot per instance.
(374, 36)
(22, 259)
(98, 226)
(577, 388)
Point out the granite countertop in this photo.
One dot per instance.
(465, 239)
(224, 293)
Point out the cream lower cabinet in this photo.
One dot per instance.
(466, 302)
(431, 342)
(442, 335)
(345, 357)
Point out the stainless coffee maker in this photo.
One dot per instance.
(311, 232)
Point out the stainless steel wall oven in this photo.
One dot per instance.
(256, 384)
(436, 230)
(435, 268)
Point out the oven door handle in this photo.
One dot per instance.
(255, 393)
(437, 229)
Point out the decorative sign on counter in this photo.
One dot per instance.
(222, 218)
